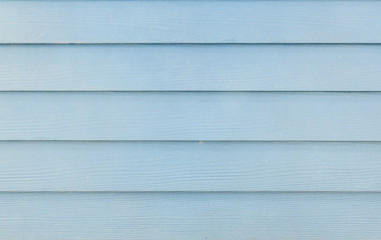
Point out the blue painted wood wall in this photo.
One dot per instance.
(191, 120)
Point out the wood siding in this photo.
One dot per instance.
(190, 120)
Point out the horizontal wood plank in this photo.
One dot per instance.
(190, 116)
(190, 216)
(190, 22)
(190, 67)
(189, 166)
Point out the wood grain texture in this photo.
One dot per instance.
(190, 22)
(190, 216)
(190, 116)
(190, 67)
(189, 166)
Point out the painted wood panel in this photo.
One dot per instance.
(189, 166)
(190, 68)
(190, 21)
(222, 216)
(190, 116)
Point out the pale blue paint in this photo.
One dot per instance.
(191, 67)
(273, 169)
(189, 216)
(190, 116)
(190, 166)
(190, 21)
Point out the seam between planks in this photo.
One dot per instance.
(193, 141)
(190, 192)
(184, 91)
(190, 43)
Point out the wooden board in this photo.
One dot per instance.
(158, 152)
(189, 166)
(190, 116)
(190, 68)
(190, 22)
(190, 216)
